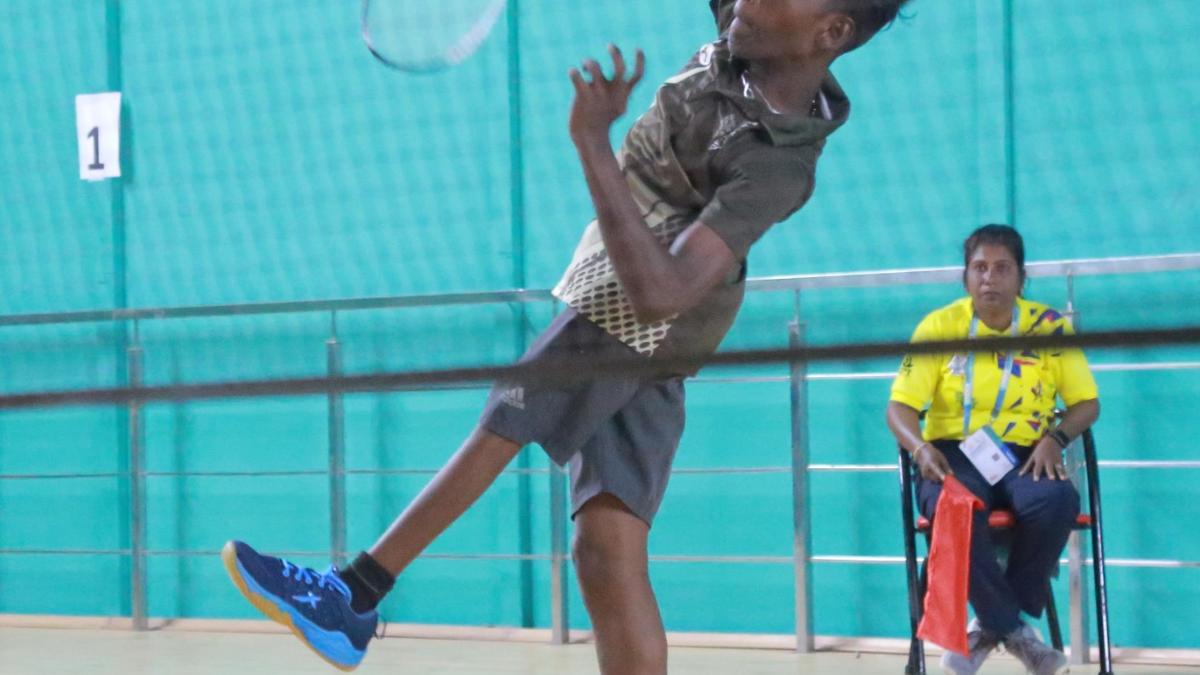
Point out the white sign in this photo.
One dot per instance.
(98, 128)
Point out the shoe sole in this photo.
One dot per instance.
(949, 670)
(268, 607)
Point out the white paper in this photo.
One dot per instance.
(98, 128)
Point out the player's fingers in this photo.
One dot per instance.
(949, 470)
(618, 63)
(935, 468)
(577, 80)
(1061, 469)
(594, 70)
(944, 466)
(924, 469)
(639, 69)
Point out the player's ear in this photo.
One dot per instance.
(838, 33)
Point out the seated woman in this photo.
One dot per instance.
(1013, 396)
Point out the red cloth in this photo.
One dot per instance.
(949, 568)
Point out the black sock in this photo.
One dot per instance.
(368, 582)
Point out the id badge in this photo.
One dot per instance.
(989, 454)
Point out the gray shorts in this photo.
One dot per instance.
(617, 434)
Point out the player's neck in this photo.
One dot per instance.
(996, 318)
(789, 87)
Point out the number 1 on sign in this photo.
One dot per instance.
(96, 164)
(98, 134)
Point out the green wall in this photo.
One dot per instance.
(268, 158)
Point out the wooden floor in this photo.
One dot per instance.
(37, 651)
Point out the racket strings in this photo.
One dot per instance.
(427, 36)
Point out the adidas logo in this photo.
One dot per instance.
(514, 397)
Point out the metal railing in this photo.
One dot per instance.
(798, 379)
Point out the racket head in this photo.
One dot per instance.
(427, 36)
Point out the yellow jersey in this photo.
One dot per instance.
(936, 380)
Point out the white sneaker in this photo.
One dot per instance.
(1038, 658)
(980, 642)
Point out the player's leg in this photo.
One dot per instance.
(991, 596)
(1045, 511)
(333, 612)
(514, 416)
(611, 563)
(618, 480)
(476, 465)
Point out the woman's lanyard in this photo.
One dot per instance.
(969, 376)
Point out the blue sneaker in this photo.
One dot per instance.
(316, 606)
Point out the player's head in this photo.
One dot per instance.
(869, 17)
(994, 264)
(806, 29)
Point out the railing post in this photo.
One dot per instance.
(137, 503)
(1070, 278)
(560, 633)
(801, 524)
(1079, 603)
(337, 449)
(1078, 597)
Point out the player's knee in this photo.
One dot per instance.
(595, 559)
(1057, 502)
(1064, 500)
(601, 559)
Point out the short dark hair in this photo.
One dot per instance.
(870, 16)
(1002, 235)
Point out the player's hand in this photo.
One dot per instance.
(1047, 459)
(932, 463)
(599, 100)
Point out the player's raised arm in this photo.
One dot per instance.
(658, 282)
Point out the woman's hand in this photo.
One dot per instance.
(601, 101)
(1047, 458)
(932, 463)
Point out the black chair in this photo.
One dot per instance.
(999, 520)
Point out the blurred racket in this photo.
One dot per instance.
(425, 36)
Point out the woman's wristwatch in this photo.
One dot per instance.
(1061, 438)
